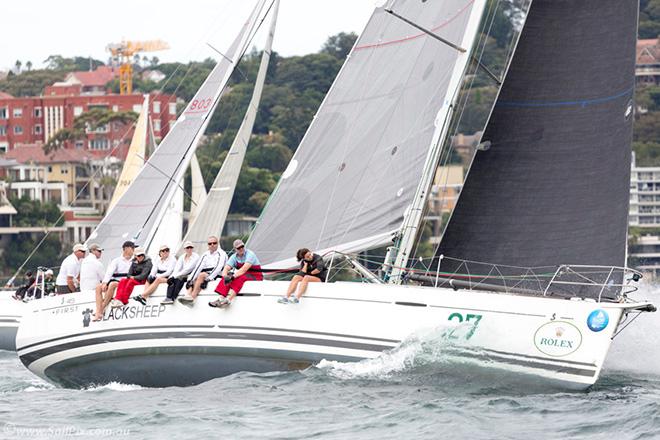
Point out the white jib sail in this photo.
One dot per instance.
(198, 190)
(140, 210)
(135, 156)
(212, 217)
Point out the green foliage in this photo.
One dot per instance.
(30, 83)
(649, 19)
(34, 213)
(58, 62)
(91, 120)
(339, 45)
(274, 157)
(251, 182)
(21, 245)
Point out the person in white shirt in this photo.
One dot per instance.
(161, 271)
(91, 269)
(208, 268)
(70, 271)
(184, 267)
(117, 269)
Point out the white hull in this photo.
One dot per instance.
(176, 345)
(11, 312)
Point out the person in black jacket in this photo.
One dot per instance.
(312, 270)
(137, 275)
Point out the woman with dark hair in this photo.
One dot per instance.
(312, 270)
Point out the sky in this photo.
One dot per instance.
(35, 29)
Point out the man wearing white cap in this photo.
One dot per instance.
(184, 267)
(160, 272)
(91, 269)
(117, 269)
(70, 271)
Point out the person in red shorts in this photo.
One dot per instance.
(246, 267)
(137, 275)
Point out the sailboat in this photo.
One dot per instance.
(210, 213)
(547, 188)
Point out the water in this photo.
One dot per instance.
(416, 391)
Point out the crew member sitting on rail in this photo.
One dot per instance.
(312, 270)
(70, 271)
(91, 269)
(207, 269)
(117, 270)
(137, 275)
(246, 267)
(184, 267)
(160, 272)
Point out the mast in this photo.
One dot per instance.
(413, 216)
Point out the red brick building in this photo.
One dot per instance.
(35, 120)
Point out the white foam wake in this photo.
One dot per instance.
(115, 386)
(637, 348)
(424, 347)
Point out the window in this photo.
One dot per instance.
(156, 125)
(80, 145)
(64, 170)
(18, 113)
(50, 169)
(172, 108)
(4, 147)
(3, 130)
(37, 112)
(157, 107)
(99, 144)
(77, 110)
(115, 108)
(3, 113)
(37, 129)
(18, 129)
(137, 108)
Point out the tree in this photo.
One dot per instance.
(88, 121)
(154, 61)
(28, 66)
(18, 65)
(20, 247)
(339, 45)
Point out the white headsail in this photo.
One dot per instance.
(135, 156)
(140, 210)
(211, 218)
(198, 190)
(359, 165)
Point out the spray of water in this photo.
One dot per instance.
(637, 348)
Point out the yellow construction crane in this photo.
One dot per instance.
(122, 53)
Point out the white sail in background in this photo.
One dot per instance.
(135, 156)
(212, 217)
(170, 230)
(198, 193)
(357, 169)
(140, 210)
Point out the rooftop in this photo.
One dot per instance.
(648, 51)
(35, 154)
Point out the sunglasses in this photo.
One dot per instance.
(211, 243)
(189, 247)
(165, 250)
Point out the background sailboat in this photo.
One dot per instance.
(140, 211)
(210, 219)
(198, 190)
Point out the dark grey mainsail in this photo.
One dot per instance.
(554, 186)
(137, 215)
(358, 167)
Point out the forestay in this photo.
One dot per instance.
(139, 211)
(211, 218)
(358, 167)
(554, 186)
